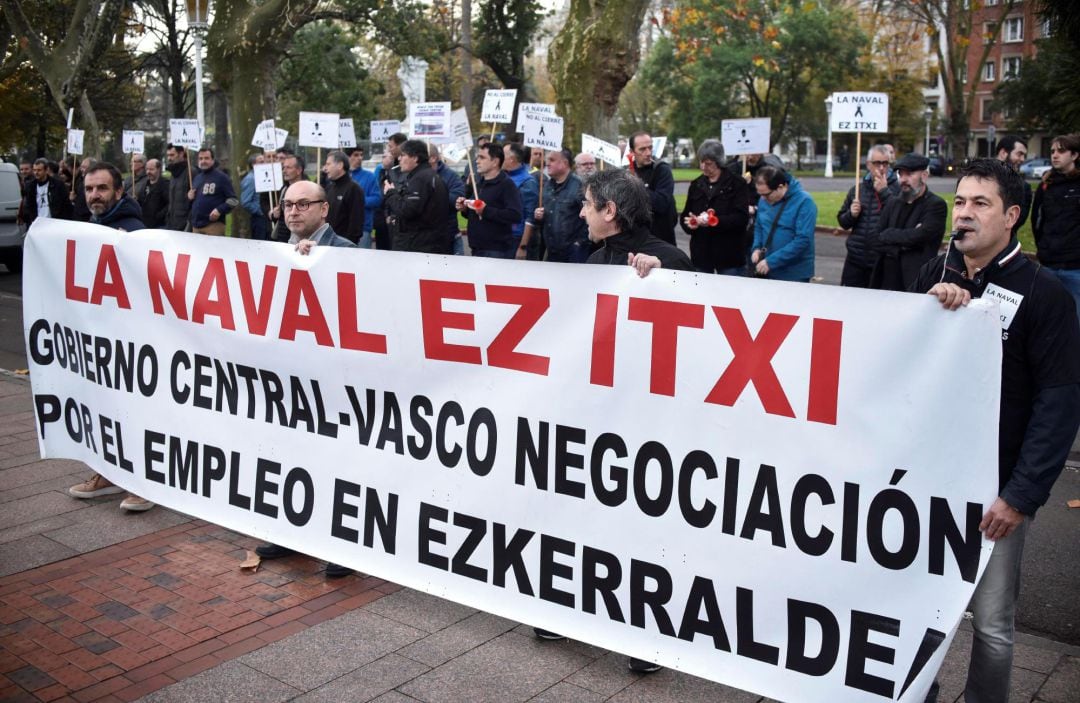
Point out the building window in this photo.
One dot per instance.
(990, 3)
(985, 113)
(989, 71)
(1010, 67)
(1014, 29)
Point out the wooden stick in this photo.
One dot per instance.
(858, 161)
(132, 173)
(472, 174)
(493, 125)
(318, 163)
(74, 169)
(744, 165)
(602, 164)
(543, 157)
(190, 177)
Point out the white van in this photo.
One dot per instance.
(11, 234)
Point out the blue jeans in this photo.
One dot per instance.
(1070, 278)
(365, 240)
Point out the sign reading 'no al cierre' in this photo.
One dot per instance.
(860, 112)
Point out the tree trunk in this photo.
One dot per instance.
(592, 59)
(466, 57)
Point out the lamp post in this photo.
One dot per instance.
(928, 114)
(197, 23)
(828, 148)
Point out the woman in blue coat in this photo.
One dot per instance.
(784, 228)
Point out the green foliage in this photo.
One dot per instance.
(322, 72)
(1038, 101)
(503, 31)
(734, 58)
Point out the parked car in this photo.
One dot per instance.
(1040, 171)
(1027, 170)
(937, 166)
(11, 234)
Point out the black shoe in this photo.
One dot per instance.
(640, 666)
(273, 551)
(336, 571)
(548, 634)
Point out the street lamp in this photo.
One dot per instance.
(929, 115)
(197, 23)
(828, 148)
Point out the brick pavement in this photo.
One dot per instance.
(98, 605)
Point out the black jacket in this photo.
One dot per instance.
(862, 244)
(910, 235)
(346, 200)
(1040, 369)
(617, 248)
(179, 205)
(59, 203)
(153, 198)
(502, 210)
(125, 215)
(727, 198)
(1055, 219)
(419, 207)
(660, 181)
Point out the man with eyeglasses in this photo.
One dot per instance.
(584, 165)
(1055, 214)
(911, 228)
(306, 209)
(861, 217)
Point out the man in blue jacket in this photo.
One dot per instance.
(516, 165)
(783, 246)
(491, 220)
(372, 194)
(455, 188)
(212, 196)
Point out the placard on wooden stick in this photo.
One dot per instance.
(382, 129)
(133, 141)
(746, 136)
(318, 129)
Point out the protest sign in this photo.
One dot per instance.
(859, 112)
(319, 129)
(429, 120)
(268, 178)
(498, 106)
(460, 132)
(133, 141)
(532, 109)
(185, 133)
(542, 131)
(748, 136)
(268, 137)
(495, 435)
(75, 141)
(658, 146)
(598, 148)
(346, 133)
(382, 129)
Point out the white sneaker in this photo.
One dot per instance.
(97, 485)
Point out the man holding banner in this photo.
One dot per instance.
(1040, 394)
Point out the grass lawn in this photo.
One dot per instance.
(829, 204)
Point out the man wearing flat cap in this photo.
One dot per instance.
(910, 229)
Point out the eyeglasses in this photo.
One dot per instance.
(299, 205)
(879, 163)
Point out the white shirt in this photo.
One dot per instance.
(43, 200)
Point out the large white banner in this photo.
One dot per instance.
(773, 485)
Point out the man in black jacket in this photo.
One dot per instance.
(153, 197)
(418, 204)
(862, 217)
(565, 235)
(45, 195)
(492, 215)
(660, 182)
(179, 205)
(345, 197)
(1012, 150)
(911, 229)
(1055, 214)
(105, 199)
(1040, 394)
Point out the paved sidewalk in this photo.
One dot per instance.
(99, 605)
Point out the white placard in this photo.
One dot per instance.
(71, 116)
(268, 177)
(498, 106)
(185, 133)
(346, 133)
(599, 149)
(429, 121)
(268, 137)
(542, 131)
(658, 146)
(490, 435)
(532, 109)
(382, 129)
(859, 112)
(75, 141)
(460, 132)
(319, 129)
(133, 141)
(746, 136)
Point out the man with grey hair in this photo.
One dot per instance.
(153, 197)
(345, 197)
(861, 217)
(135, 182)
(715, 215)
(584, 165)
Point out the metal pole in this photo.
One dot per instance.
(199, 111)
(927, 151)
(828, 148)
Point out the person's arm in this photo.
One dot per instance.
(230, 201)
(355, 227)
(507, 210)
(845, 217)
(799, 246)
(930, 228)
(685, 218)
(735, 217)
(248, 197)
(372, 196)
(662, 191)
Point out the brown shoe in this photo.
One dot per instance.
(96, 486)
(135, 504)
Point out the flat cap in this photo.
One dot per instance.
(912, 162)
